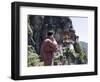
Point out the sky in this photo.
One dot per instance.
(80, 24)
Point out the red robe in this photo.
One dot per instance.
(47, 49)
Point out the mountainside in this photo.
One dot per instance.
(84, 46)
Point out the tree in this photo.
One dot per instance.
(82, 55)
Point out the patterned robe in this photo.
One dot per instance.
(48, 47)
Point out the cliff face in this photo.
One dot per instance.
(38, 26)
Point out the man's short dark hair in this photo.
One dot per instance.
(50, 33)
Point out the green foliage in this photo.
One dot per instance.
(82, 54)
(77, 47)
(33, 58)
(66, 56)
(68, 51)
(69, 55)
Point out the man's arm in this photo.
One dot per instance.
(53, 45)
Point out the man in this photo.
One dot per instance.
(48, 47)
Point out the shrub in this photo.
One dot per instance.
(33, 58)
